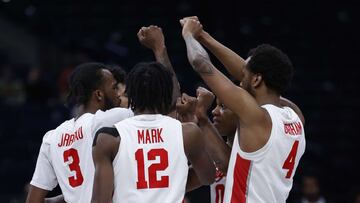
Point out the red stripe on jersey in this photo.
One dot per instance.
(241, 173)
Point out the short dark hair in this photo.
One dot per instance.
(149, 87)
(274, 66)
(118, 72)
(83, 81)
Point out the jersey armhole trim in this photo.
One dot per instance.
(260, 153)
(108, 130)
(41, 186)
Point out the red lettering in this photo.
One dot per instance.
(159, 138)
(80, 133)
(293, 128)
(153, 136)
(61, 143)
(148, 140)
(66, 140)
(141, 136)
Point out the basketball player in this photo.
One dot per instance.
(144, 158)
(270, 139)
(120, 75)
(224, 121)
(65, 154)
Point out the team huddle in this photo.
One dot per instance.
(141, 140)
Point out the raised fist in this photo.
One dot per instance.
(151, 37)
(205, 98)
(191, 26)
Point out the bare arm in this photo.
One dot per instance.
(232, 61)
(193, 181)
(56, 199)
(104, 151)
(238, 100)
(152, 37)
(196, 153)
(218, 150)
(36, 195)
(194, 110)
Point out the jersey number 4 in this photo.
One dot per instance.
(290, 160)
(77, 179)
(153, 182)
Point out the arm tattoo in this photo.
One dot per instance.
(198, 57)
(202, 66)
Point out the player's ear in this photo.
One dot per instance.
(256, 80)
(98, 95)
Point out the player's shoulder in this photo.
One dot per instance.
(190, 129)
(108, 131)
(54, 133)
(117, 111)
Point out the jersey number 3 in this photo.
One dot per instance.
(152, 169)
(290, 160)
(77, 179)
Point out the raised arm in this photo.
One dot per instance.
(105, 147)
(152, 37)
(234, 97)
(218, 150)
(237, 99)
(232, 61)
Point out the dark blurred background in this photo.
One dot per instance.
(42, 41)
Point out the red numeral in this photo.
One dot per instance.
(290, 160)
(78, 179)
(139, 156)
(152, 170)
(219, 190)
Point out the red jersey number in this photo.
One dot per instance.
(290, 160)
(77, 179)
(152, 169)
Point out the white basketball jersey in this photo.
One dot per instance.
(65, 156)
(217, 189)
(151, 165)
(266, 175)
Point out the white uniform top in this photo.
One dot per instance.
(65, 156)
(151, 165)
(266, 175)
(217, 189)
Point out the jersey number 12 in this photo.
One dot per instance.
(153, 182)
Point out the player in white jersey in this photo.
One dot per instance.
(65, 156)
(224, 124)
(271, 138)
(144, 158)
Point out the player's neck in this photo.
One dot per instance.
(86, 109)
(138, 112)
(268, 98)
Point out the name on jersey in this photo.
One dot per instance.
(67, 139)
(149, 136)
(293, 128)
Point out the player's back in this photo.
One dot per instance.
(151, 165)
(266, 175)
(65, 156)
(70, 154)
